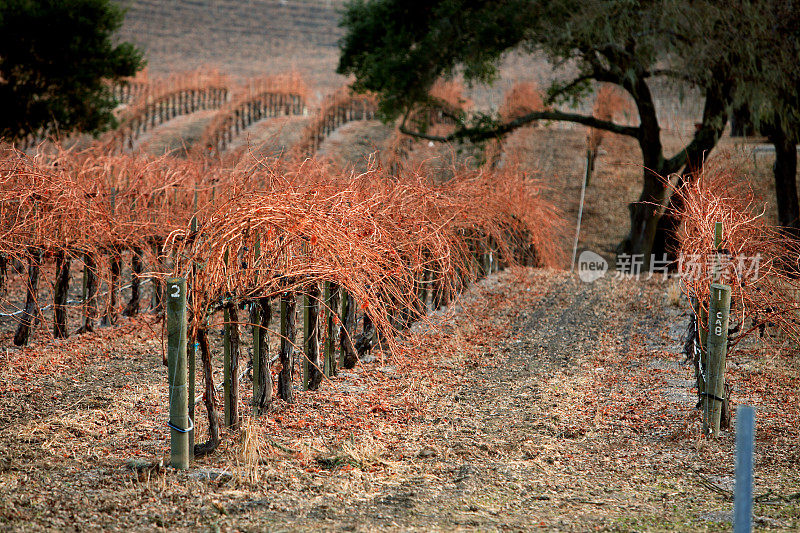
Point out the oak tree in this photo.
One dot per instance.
(399, 48)
(57, 58)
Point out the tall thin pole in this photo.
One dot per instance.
(586, 175)
(743, 498)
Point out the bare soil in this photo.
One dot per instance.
(539, 402)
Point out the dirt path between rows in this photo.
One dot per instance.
(543, 402)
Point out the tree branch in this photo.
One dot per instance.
(480, 134)
(569, 86)
(670, 73)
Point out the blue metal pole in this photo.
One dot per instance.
(743, 498)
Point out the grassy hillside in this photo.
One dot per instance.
(244, 38)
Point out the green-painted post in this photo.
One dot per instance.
(176, 364)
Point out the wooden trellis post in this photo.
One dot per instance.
(717, 347)
(714, 395)
(702, 317)
(179, 421)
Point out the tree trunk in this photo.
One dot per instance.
(331, 329)
(132, 309)
(645, 212)
(653, 235)
(366, 341)
(3, 267)
(89, 293)
(314, 367)
(209, 397)
(60, 296)
(29, 313)
(742, 122)
(347, 331)
(785, 171)
(110, 317)
(158, 286)
(233, 397)
(263, 396)
(288, 333)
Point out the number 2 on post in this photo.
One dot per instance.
(176, 291)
